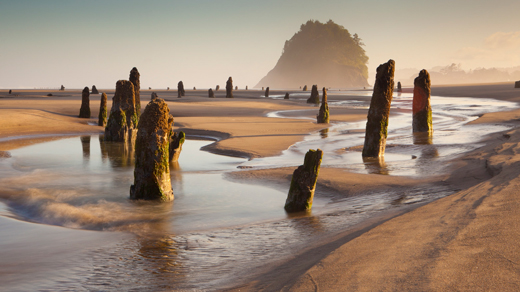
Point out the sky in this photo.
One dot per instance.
(77, 43)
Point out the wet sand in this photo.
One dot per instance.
(463, 242)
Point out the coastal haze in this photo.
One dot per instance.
(77, 44)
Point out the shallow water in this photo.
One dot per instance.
(216, 231)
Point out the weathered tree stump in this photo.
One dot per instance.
(210, 93)
(305, 88)
(62, 88)
(229, 88)
(267, 92)
(94, 90)
(236, 87)
(217, 87)
(10, 91)
(286, 95)
(303, 183)
(399, 88)
(247, 87)
(422, 109)
(315, 95)
(102, 117)
(377, 119)
(123, 120)
(135, 79)
(323, 115)
(84, 111)
(152, 167)
(517, 84)
(176, 141)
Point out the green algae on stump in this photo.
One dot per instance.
(102, 117)
(134, 78)
(229, 88)
(123, 120)
(315, 95)
(176, 141)
(377, 119)
(84, 111)
(422, 109)
(152, 166)
(303, 183)
(323, 115)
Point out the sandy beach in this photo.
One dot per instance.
(465, 241)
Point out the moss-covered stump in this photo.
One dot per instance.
(211, 94)
(286, 95)
(94, 90)
(229, 88)
(134, 78)
(305, 88)
(303, 183)
(422, 109)
(176, 141)
(84, 111)
(315, 95)
(180, 89)
(377, 119)
(123, 120)
(102, 117)
(323, 115)
(267, 92)
(152, 166)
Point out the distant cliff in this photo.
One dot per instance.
(325, 54)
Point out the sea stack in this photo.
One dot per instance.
(377, 119)
(315, 95)
(152, 167)
(180, 89)
(422, 109)
(84, 111)
(210, 93)
(123, 120)
(303, 183)
(229, 88)
(102, 117)
(323, 115)
(94, 90)
(286, 95)
(176, 141)
(134, 78)
(267, 92)
(399, 88)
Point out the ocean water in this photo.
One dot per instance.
(66, 222)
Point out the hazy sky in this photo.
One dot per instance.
(46, 43)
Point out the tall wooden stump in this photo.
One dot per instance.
(123, 119)
(211, 94)
(135, 79)
(315, 95)
(267, 92)
(180, 89)
(323, 115)
(229, 88)
(152, 167)
(377, 119)
(303, 183)
(102, 117)
(422, 109)
(84, 111)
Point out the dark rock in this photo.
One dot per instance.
(315, 95)
(152, 167)
(303, 183)
(210, 93)
(517, 84)
(153, 96)
(377, 119)
(123, 120)
(62, 88)
(180, 89)
(94, 90)
(305, 88)
(286, 95)
(176, 141)
(102, 117)
(135, 79)
(399, 88)
(84, 111)
(267, 92)
(422, 109)
(323, 115)
(217, 87)
(229, 88)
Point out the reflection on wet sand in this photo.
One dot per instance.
(375, 165)
(120, 154)
(422, 138)
(324, 133)
(85, 145)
